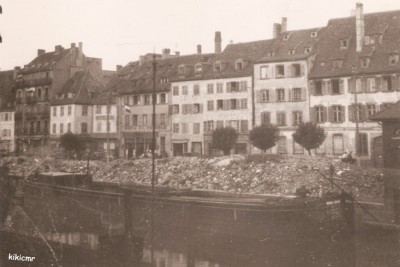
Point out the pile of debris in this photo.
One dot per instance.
(273, 174)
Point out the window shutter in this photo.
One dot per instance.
(201, 108)
(343, 113)
(272, 95)
(394, 83)
(313, 114)
(303, 94)
(170, 109)
(330, 114)
(378, 84)
(363, 84)
(324, 87)
(351, 113)
(341, 86)
(225, 104)
(258, 96)
(364, 114)
(311, 87)
(228, 87)
(325, 114)
(302, 69)
(290, 94)
(190, 108)
(351, 84)
(329, 87)
(288, 71)
(272, 71)
(158, 119)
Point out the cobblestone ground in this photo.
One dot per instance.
(274, 174)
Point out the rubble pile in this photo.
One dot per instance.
(241, 174)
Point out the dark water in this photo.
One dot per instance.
(60, 232)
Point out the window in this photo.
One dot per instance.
(239, 64)
(280, 95)
(175, 109)
(210, 88)
(196, 128)
(265, 118)
(126, 100)
(184, 90)
(291, 52)
(307, 50)
(175, 90)
(318, 88)
(371, 109)
(175, 127)
(198, 69)
(185, 128)
(69, 110)
(217, 66)
(362, 147)
(280, 118)
(344, 43)
(134, 120)
(313, 34)
(234, 104)
(365, 62)
(286, 37)
(99, 125)
(181, 69)
(243, 86)
(319, 114)
(196, 89)
(127, 122)
(220, 124)
(370, 85)
(54, 111)
(61, 128)
(146, 99)
(264, 72)
(387, 84)
(297, 94)
(144, 119)
(243, 103)
(84, 110)
(280, 71)
(356, 113)
(61, 111)
(136, 99)
(232, 87)
(220, 104)
(337, 114)
(220, 88)
(162, 119)
(297, 118)
(208, 126)
(244, 125)
(196, 108)
(210, 105)
(271, 54)
(393, 59)
(164, 80)
(163, 99)
(336, 86)
(98, 109)
(296, 70)
(264, 96)
(234, 124)
(54, 128)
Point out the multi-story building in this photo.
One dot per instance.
(216, 92)
(356, 73)
(82, 107)
(7, 101)
(281, 83)
(37, 84)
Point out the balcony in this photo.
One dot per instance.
(35, 82)
(31, 100)
(144, 128)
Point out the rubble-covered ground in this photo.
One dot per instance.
(272, 174)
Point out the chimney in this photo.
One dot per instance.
(119, 67)
(217, 41)
(166, 52)
(40, 52)
(277, 28)
(198, 49)
(284, 24)
(177, 53)
(359, 26)
(141, 60)
(80, 47)
(58, 48)
(73, 45)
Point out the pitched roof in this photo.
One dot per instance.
(390, 113)
(45, 61)
(84, 88)
(296, 41)
(328, 47)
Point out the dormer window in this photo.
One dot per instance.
(217, 66)
(181, 69)
(344, 44)
(198, 69)
(373, 39)
(271, 54)
(365, 62)
(164, 80)
(286, 37)
(307, 50)
(313, 34)
(239, 64)
(393, 59)
(337, 64)
(291, 52)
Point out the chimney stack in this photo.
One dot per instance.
(198, 49)
(119, 67)
(284, 24)
(73, 45)
(359, 26)
(40, 52)
(177, 53)
(218, 41)
(80, 45)
(58, 48)
(166, 52)
(277, 28)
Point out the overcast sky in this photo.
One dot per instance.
(118, 31)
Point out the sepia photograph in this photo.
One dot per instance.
(199, 133)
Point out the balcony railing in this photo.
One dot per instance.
(145, 128)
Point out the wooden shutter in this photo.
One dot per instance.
(303, 94)
(311, 87)
(329, 87)
(225, 104)
(351, 113)
(341, 86)
(378, 84)
(325, 114)
(394, 83)
(302, 69)
(191, 108)
(363, 84)
(330, 114)
(324, 87)
(170, 107)
(228, 87)
(258, 96)
(290, 94)
(201, 108)
(288, 71)
(343, 113)
(313, 114)
(351, 85)
(272, 95)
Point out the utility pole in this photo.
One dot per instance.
(357, 136)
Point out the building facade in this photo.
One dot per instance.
(7, 111)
